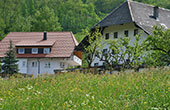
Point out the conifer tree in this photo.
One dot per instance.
(9, 61)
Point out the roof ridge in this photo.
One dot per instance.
(130, 9)
(150, 5)
(74, 39)
(114, 10)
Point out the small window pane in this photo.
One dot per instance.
(107, 36)
(24, 63)
(46, 50)
(104, 51)
(62, 65)
(34, 64)
(34, 50)
(96, 64)
(135, 32)
(116, 35)
(28, 50)
(126, 33)
(21, 50)
(47, 65)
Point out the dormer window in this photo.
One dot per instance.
(46, 50)
(21, 51)
(34, 50)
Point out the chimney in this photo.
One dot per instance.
(45, 35)
(156, 12)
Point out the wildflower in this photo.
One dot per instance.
(83, 104)
(75, 106)
(93, 97)
(21, 89)
(38, 92)
(154, 108)
(100, 102)
(1, 99)
(29, 87)
(87, 95)
(70, 102)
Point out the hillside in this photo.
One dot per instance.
(57, 15)
(77, 91)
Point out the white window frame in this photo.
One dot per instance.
(21, 52)
(33, 51)
(46, 50)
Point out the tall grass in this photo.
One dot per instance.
(77, 91)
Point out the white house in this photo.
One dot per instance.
(129, 19)
(43, 52)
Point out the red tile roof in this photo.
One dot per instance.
(63, 43)
(35, 43)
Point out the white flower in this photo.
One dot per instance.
(87, 95)
(21, 89)
(75, 106)
(38, 92)
(100, 102)
(154, 108)
(70, 102)
(29, 87)
(1, 99)
(93, 97)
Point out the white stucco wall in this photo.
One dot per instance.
(43, 65)
(120, 29)
(22, 65)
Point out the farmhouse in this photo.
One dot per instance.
(129, 19)
(42, 52)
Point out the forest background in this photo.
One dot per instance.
(58, 15)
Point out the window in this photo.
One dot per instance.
(46, 50)
(62, 65)
(113, 52)
(126, 33)
(47, 65)
(116, 35)
(34, 50)
(28, 51)
(135, 32)
(104, 51)
(21, 50)
(34, 64)
(96, 64)
(107, 36)
(24, 64)
(40, 50)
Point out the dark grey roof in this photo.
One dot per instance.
(119, 15)
(139, 13)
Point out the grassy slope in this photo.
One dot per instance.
(132, 91)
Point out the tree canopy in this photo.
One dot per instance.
(57, 15)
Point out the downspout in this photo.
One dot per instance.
(38, 66)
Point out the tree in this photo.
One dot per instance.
(9, 65)
(121, 54)
(159, 47)
(94, 39)
(45, 20)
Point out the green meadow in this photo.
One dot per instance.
(78, 91)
